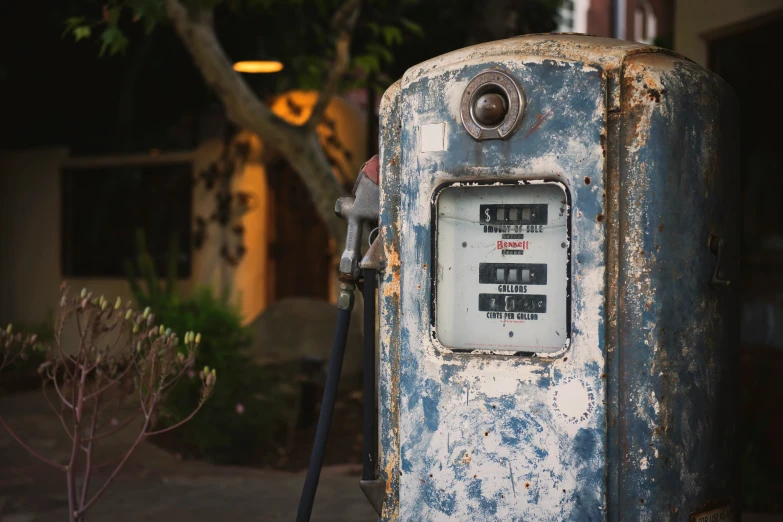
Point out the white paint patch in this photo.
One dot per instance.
(574, 400)
(432, 137)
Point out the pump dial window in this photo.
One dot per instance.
(501, 281)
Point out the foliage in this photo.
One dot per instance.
(22, 371)
(15, 348)
(120, 358)
(300, 45)
(244, 411)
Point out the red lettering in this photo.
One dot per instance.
(522, 245)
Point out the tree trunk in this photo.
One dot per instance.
(299, 145)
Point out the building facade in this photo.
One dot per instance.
(647, 21)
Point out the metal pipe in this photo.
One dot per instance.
(369, 441)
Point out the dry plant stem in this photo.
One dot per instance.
(88, 464)
(28, 448)
(91, 383)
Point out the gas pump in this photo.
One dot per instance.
(558, 220)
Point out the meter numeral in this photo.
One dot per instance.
(533, 304)
(531, 214)
(525, 273)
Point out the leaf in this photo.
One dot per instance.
(113, 40)
(112, 15)
(80, 33)
(392, 35)
(72, 23)
(412, 27)
(380, 51)
(374, 28)
(149, 24)
(368, 63)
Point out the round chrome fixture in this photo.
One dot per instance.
(492, 105)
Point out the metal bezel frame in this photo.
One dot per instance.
(515, 96)
(433, 276)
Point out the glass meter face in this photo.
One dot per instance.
(502, 280)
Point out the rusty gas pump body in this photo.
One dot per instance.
(605, 175)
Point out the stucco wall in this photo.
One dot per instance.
(30, 233)
(30, 214)
(695, 21)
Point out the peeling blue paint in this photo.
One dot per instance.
(621, 415)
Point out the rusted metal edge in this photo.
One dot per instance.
(375, 491)
(375, 257)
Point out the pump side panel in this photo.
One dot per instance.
(501, 437)
(677, 344)
(389, 301)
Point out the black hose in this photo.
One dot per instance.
(325, 417)
(369, 444)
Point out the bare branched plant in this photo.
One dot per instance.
(14, 346)
(121, 357)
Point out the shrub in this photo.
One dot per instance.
(119, 358)
(244, 411)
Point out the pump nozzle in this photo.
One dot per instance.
(359, 209)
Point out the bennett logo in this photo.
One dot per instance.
(724, 514)
(522, 245)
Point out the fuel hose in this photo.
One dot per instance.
(325, 417)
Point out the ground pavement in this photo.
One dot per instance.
(154, 485)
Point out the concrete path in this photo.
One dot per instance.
(154, 485)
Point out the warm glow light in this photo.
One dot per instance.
(258, 66)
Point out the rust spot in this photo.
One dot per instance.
(660, 228)
(655, 94)
(599, 218)
(424, 265)
(539, 120)
(466, 459)
(423, 481)
(587, 180)
(603, 143)
(527, 484)
(641, 501)
(392, 288)
(486, 434)
(565, 359)
(603, 376)
(474, 476)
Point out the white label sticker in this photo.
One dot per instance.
(724, 514)
(502, 268)
(432, 137)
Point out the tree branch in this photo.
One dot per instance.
(142, 434)
(29, 449)
(343, 24)
(119, 427)
(300, 146)
(87, 466)
(180, 423)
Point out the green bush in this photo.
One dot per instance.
(244, 411)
